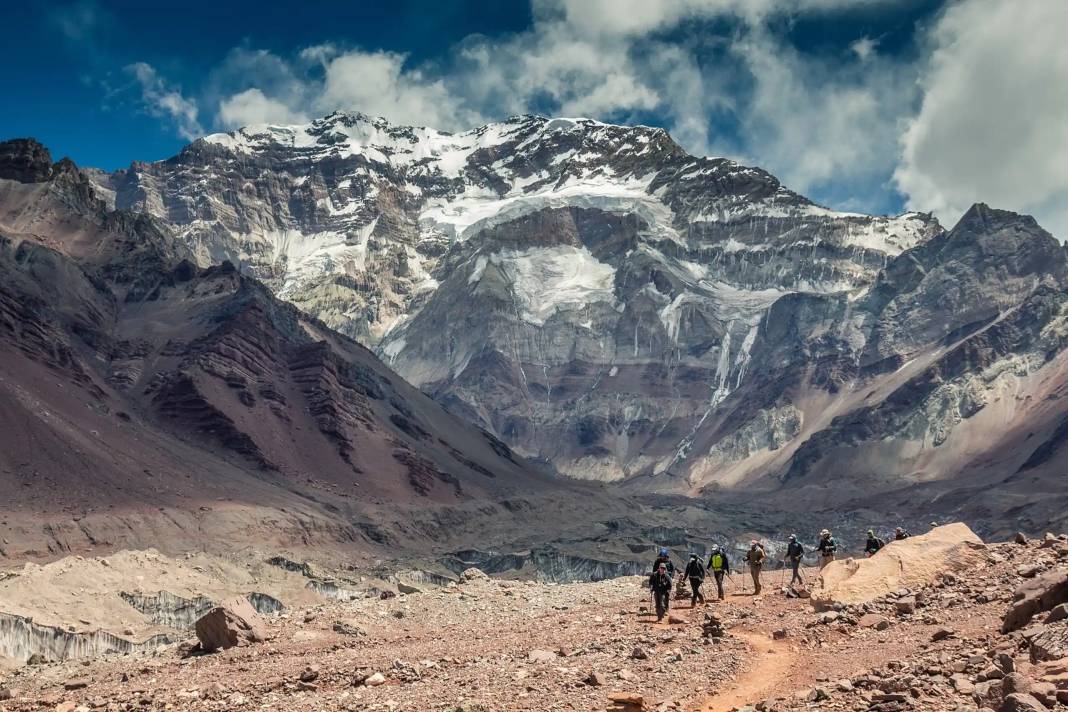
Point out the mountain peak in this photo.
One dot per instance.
(983, 219)
(25, 160)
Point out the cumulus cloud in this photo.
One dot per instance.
(164, 100)
(847, 128)
(253, 107)
(993, 125)
(377, 83)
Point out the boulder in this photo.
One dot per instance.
(235, 622)
(1021, 538)
(1059, 613)
(1039, 594)
(1021, 702)
(906, 564)
(473, 574)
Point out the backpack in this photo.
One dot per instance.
(717, 561)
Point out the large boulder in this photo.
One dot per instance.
(905, 564)
(1042, 593)
(235, 622)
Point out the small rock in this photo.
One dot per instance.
(375, 680)
(872, 620)
(346, 628)
(310, 674)
(542, 656)
(76, 684)
(942, 634)
(595, 679)
(6, 694)
(1020, 538)
(639, 654)
(906, 605)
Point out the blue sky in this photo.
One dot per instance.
(869, 105)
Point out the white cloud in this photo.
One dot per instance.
(378, 84)
(820, 122)
(841, 128)
(993, 126)
(166, 101)
(864, 48)
(252, 107)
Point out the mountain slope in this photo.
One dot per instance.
(604, 302)
(146, 401)
(597, 272)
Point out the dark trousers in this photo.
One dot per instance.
(695, 587)
(719, 582)
(795, 563)
(663, 602)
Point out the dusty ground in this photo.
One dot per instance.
(507, 645)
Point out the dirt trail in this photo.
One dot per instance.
(773, 660)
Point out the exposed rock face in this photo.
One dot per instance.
(25, 160)
(906, 564)
(600, 300)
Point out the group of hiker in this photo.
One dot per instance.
(662, 580)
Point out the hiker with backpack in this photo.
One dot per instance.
(660, 582)
(794, 553)
(720, 566)
(695, 571)
(874, 543)
(827, 547)
(900, 534)
(664, 558)
(755, 558)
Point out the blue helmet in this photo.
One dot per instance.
(663, 551)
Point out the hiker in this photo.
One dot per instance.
(695, 571)
(794, 553)
(660, 582)
(874, 543)
(827, 548)
(755, 557)
(665, 559)
(900, 534)
(719, 566)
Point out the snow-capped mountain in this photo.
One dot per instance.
(600, 299)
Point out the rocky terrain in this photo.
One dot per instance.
(988, 636)
(623, 311)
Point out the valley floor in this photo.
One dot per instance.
(489, 644)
